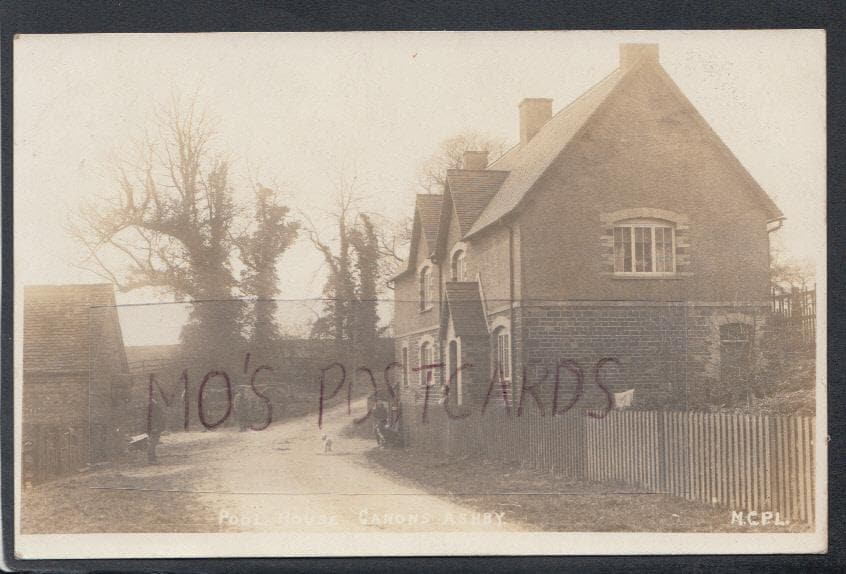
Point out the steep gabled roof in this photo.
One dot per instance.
(527, 163)
(429, 208)
(480, 198)
(427, 215)
(64, 324)
(464, 304)
(471, 191)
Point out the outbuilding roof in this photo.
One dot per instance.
(64, 323)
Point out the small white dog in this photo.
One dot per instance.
(327, 443)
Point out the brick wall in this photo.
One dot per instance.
(645, 150)
(668, 353)
(407, 314)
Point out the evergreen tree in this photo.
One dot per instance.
(260, 250)
(364, 315)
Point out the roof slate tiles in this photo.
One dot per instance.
(465, 308)
(62, 322)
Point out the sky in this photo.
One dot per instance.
(296, 109)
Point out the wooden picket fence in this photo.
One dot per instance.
(50, 451)
(739, 461)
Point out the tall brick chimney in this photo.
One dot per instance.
(534, 113)
(474, 160)
(632, 53)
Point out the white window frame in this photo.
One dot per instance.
(426, 286)
(427, 376)
(406, 366)
(458, 265)
(502, 354)
(652, 225)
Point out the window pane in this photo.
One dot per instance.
(669, 251)
(458, 267)
(426, 295)
(405, 367)
(622, 249)
(426, 359)
(664, 249)
(429, 372)
(425, 288)
(643, 249)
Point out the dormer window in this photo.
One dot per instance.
(644, 247)
(427, 294)
(458, 269)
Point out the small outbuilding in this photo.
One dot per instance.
(75, 379)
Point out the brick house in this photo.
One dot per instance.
(75, 379)
(621, 227)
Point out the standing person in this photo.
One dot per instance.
(242, 409)
(380, 421)
(155, 426)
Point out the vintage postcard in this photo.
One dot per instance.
(364, 294)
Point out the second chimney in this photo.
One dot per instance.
(474, 160)
(534, 113)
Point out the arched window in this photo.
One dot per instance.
(458, 270)
(426, 289)
(427, 357)
(502, 353)
(644, 246)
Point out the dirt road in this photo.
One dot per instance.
(280, 479)
(277, 479)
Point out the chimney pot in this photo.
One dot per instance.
(475, 160)
(534, 113)
(630, 54)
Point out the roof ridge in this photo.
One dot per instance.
(485, 170)
(532, 159)
(563, 110)
(578, 99)
(66, 285)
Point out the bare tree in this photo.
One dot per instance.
(393, 238)
(169, 225)
(361, 255)
(339, 291)
(449, 155)
(789, 272)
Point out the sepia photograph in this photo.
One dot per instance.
(419, 293)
